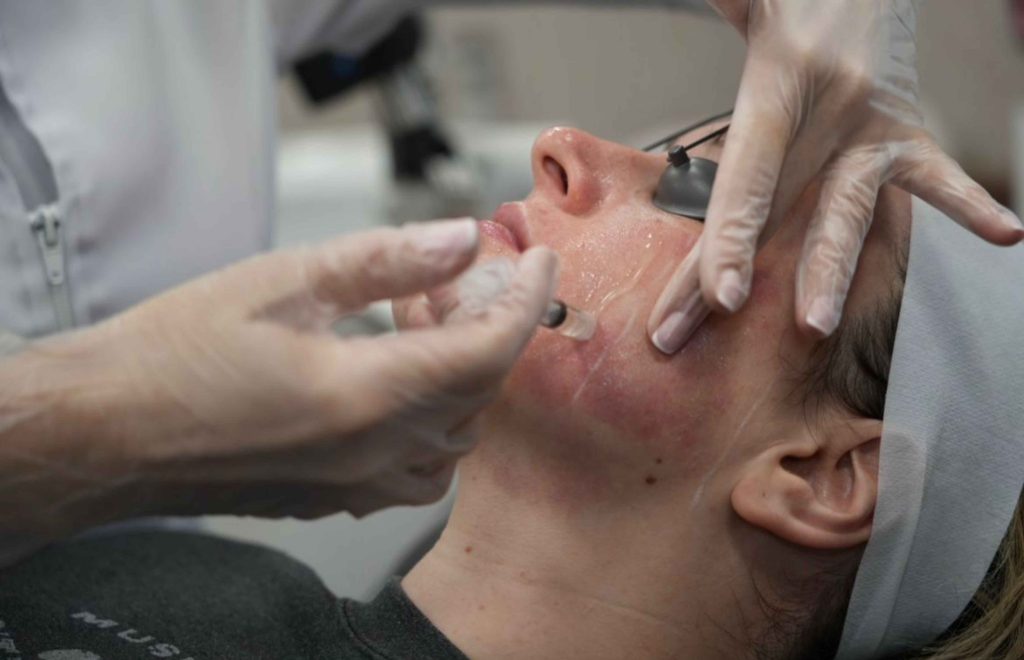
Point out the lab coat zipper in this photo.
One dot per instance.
(27, 164)
(46, 222)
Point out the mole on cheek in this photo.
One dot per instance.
(469, 549)
(651, 480)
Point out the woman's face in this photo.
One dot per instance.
(591, 203)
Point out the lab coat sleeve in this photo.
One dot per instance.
(350, 27)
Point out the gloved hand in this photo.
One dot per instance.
(231, 394)
(829, 89)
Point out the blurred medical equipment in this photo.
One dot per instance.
(685, 187)
(951, 465)
(433, 179)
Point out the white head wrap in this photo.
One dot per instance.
(952, 451)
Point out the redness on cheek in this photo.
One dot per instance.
(653, 410)
(764, 288)
(616, 380)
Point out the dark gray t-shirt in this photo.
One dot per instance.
(146, 595)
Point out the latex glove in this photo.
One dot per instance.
(829, 89)
(231, 394)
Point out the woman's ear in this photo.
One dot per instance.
(815, 491)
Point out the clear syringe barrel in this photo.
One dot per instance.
(569, 321)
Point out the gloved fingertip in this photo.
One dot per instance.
(545, 261)
(545, 257)
(536, 272)
(732, 290)
(445, 239)
(680, 325)
(823, 316)
(476, 290)
(1012, 222)
(671, 334)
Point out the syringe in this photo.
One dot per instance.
(569, 321)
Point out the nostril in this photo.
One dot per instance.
(557, 172)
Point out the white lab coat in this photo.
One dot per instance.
(156, 119)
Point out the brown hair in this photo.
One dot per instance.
(851, 369)
(992, 625)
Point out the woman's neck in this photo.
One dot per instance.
(535, 571)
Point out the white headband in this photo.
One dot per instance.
(952, 451)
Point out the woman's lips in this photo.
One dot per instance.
(499, 233)
(513, 217)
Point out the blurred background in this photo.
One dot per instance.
(447, 131)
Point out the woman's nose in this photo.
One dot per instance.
(567, 167)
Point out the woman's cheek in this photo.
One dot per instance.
(616, 382)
